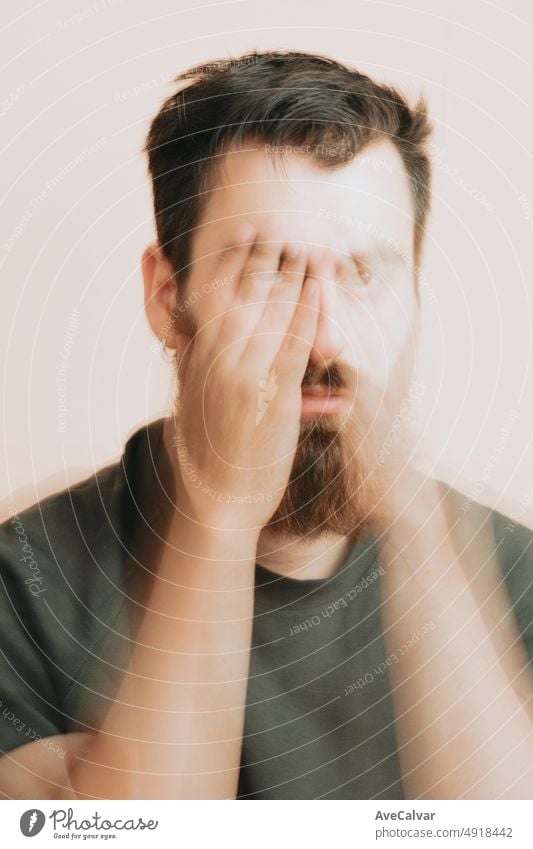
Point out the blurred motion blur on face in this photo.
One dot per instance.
(358, 219)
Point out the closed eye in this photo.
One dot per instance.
(364, 272)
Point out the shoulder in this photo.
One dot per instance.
(55, 539)
(81, 531)
(64, 566)
(512, 536)
(497, 540)
(52, 574)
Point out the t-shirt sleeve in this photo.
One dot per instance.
(65, 569)
(28, 694)
(514, 545)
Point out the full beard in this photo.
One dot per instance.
(331, 489)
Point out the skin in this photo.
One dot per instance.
(366, 332)
(189, 666)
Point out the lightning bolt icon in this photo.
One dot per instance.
(267, 390)
(33, 820)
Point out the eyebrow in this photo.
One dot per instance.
(378, 249)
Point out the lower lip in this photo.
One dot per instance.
(324, 404)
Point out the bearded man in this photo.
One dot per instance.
(266, 598)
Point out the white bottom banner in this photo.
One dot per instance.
(264, 825)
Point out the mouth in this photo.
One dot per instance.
(323, 399)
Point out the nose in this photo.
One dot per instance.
(328, 340)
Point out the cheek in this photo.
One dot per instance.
(379, 331)
(201, 298)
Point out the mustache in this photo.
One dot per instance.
(332, 376)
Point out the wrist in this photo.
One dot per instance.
(211, 535)
(418, 537)
(412, 497)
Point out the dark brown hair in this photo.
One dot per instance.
(280, 98)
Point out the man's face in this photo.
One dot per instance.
(363, 213)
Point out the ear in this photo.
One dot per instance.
(160, 296)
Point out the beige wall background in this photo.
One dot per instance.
(80, 81)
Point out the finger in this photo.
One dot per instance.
(262, 272)
(270, 331)
(293, 356)
(321, 265)
(219, 292)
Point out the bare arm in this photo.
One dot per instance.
(40, 769)
(175, 727)
(456, 664)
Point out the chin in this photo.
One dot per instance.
(330, 488)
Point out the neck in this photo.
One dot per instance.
(301, 558)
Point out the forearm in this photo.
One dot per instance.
(175, 727)
(463, 726)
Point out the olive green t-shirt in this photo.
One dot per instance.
(318, 722)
